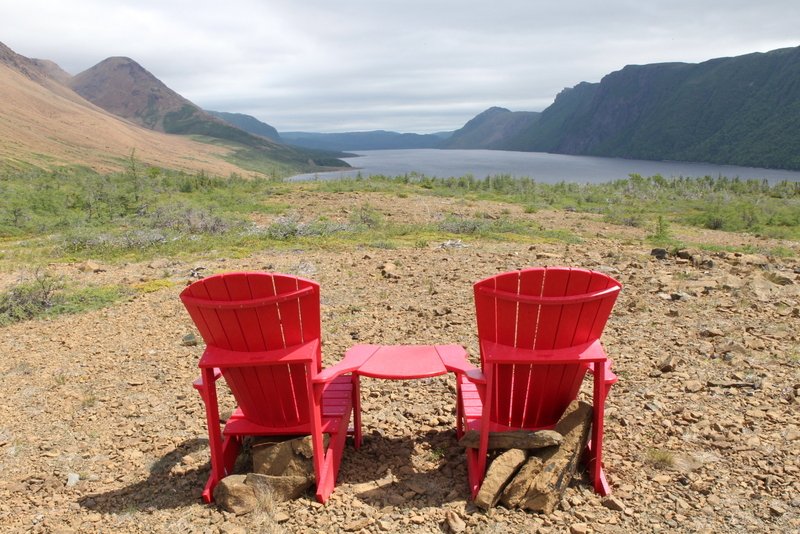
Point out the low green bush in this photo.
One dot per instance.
(46, 295)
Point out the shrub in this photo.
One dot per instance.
(457, 225)
(366, 215)
(47, 295)
(289, 226)
(189, 220)
(29, 299)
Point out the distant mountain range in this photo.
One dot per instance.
(742, 110)
(493, 129)
(117, 108)
(374, 140)
(249, 124)
(123, 87)
(45, 124)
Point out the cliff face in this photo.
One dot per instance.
(742, 111)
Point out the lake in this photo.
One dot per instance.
(542, 167)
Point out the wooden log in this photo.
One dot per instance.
(500, 471)
(517, 489)
(540, 488)
(514, 439)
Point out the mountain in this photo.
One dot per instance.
(123, 87)
(375, 140)
(492, 129)
(45, 124)
(249, 124)
(741, 110)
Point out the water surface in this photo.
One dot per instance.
(542, 167)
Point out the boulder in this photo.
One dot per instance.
(233, 495)
(293, 457)
(278, 488)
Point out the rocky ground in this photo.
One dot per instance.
(100, 430)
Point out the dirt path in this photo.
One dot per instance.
(100, 429)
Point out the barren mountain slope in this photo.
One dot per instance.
(122, 87)
(44, 123)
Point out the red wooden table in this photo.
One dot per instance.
(403, 362)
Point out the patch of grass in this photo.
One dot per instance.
(82, 299)
(732, 204)
(660, 459)
(366, 215)
(46, 295)
(460, 225)
(151, 286)
(386, 245)
(438, 453)
(290, 226)
(88, 400)
(74, 214)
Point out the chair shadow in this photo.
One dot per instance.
(411, 471)
(427, 469)
(162, 489)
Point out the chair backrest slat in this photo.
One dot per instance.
(247, 312)
(530, 283)
(540, 309)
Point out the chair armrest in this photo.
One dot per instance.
(610, 377)
(475, 376)
(505, 354)
(353, 359)
(454, 358)
(199, 385)
(332, 372)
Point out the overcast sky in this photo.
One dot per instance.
(404, 65)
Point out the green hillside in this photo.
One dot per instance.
(741, 111)
(248, 123)
(492, 129)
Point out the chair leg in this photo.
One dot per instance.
(209, 396)
(326, 463)
(330, 460)
(595, 449)
(459, 409)
(356, 411)
(474, 476)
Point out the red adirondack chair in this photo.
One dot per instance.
(539, 332)
(263, 335)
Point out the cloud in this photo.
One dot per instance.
(406, 65)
